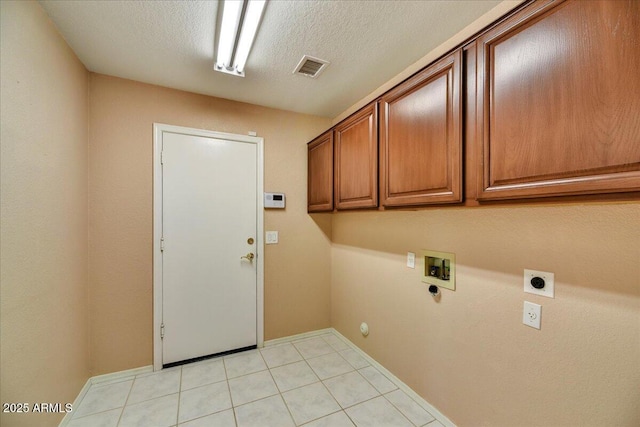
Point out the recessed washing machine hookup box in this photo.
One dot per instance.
(439, 269)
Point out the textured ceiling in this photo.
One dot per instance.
(171, 43)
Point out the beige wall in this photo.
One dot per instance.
(297, 270)
(44, 325)
(469, 353)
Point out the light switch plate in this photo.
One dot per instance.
(411, 260)
(271, 237)
(531, 314)
(547, 290)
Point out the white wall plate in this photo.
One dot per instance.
(549, 282)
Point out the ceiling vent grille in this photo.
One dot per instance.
(310, 66)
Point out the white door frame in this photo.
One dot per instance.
(158, 129)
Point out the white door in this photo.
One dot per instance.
(209, 221)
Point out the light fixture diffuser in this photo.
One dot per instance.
(240, 21)
(249, 29)
(232, 10)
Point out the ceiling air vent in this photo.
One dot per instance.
(310, 66)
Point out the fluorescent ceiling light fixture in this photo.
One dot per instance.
(240, 21)
(227, 38)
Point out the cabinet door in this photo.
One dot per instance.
(356, 160)
(320, 174)
(421, 137)
(559, 101)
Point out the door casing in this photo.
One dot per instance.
(158, 129)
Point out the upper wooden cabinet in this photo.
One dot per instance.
(320, 174)
(558, 101)
(421, 137)
(356, 160)
(547, 102)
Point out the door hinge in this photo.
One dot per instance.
(161, 244)
(162, 331)
(162, 157)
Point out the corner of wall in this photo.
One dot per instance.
(44, 214)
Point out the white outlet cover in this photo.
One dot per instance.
(271, 237)
(531, 314)
(547, 291)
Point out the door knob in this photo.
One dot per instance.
(249, 257)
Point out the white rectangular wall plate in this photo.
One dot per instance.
(539, 283)
(411, 260)
(271, 237)
(274, 200)
(531, 314)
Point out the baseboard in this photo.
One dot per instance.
(401, 385)
(67, 417)
(298, 336)
(129, 374)
(104, 379)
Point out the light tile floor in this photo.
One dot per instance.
(315, 382)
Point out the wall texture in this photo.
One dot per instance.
(44, 329)
(468, 353)
(297, 270)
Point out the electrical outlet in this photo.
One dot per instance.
(531, 314)
(271, 237)
(539, 283)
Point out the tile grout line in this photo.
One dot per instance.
(380, 394)
(439, 416)
(179, 397)
(256, 400)
(98, 383)
(202, 386)
(226, 374)
(384, 376)
(278, 388)
(321, 381)
(366, 400)
(343, 409)
(334, 399)
(125, 401)
(400, 410)
(319, 418)
(233, 408)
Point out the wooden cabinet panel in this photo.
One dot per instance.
(356, 160)
(320, 174)
(421, 138)
(558, 101)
